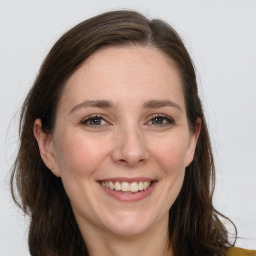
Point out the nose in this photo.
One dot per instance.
(130, 147)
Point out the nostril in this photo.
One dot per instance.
(129, 150)
(130, 162)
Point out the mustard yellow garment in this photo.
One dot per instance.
(240, 252)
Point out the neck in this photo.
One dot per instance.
(150, 243)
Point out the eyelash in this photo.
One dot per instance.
(91, 118)
(164, 118)
(169, 120)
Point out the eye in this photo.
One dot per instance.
(94, 121)
(161, 120)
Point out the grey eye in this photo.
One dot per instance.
(93, 121)
(161, 120)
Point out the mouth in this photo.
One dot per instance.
(127, 187)
(128, 190)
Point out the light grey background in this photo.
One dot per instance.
(221, 37)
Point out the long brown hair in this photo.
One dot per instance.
(194, 224)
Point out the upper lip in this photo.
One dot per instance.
(128, 180)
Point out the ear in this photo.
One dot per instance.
(46, 146)
(193, 137)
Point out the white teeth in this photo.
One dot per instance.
(111, 185)
(125, 186)
(141, 186)
(134, 187)
(118, 186)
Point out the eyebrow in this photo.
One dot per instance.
(161, 104)
(107, 104)
(93, 104)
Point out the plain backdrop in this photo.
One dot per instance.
(221, 38)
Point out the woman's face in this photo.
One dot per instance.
(122, 141)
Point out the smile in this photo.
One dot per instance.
(127, 187)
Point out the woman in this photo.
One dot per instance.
(115, 156)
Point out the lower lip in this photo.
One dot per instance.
(129, 197)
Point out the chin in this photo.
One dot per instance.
(129, 230)
(130, 224)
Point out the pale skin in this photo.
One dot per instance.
(121, 115)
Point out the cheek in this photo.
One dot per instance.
(171, 154)
(78, 155)
(78, 158)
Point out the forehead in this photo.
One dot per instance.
(124, 73)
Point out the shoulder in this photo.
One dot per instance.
(234, 251)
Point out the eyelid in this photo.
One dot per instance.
(91, 117)
(170, 120)
(164, 116)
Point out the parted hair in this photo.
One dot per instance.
(195, 227)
